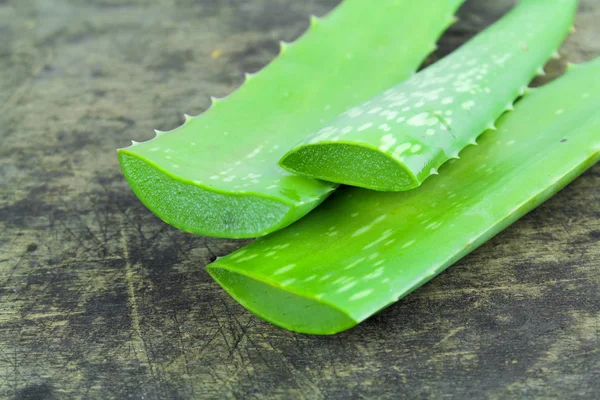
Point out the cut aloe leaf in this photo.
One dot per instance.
(396, 140)
(217, 174)
(363, 250)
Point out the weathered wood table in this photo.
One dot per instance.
(100, 299)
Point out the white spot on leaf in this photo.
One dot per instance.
(284, 269)
(361, 294)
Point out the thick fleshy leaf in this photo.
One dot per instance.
(396, 140)
(218, 175)
(363, 250)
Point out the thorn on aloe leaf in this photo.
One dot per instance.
(215, 100)
(556, 55)
(528, 90)
(510, 107)
(158, 132)
(571, 66)
(187, 117)
(283, 46)
(572, 30)
(314, 21)
(541, 71)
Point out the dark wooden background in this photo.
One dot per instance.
(100, 299)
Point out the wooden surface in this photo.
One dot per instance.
(100, 299)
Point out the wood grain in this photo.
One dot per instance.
(101, 300)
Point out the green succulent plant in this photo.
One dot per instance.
(399, 138)
(363, 250)
(217, 174)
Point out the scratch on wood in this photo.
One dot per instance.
(449, 335)
(136, 338)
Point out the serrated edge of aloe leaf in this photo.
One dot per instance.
(314, 22)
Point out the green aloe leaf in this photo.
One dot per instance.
(217, 174)
(363, 250)
(396, 140)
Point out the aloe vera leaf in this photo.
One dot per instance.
(363, 250)
(396, 140)
(217, 174)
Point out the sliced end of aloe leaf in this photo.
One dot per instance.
(350, 164)
(280, 306)
(190, 206)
